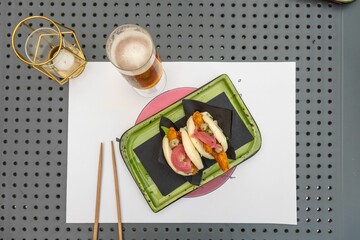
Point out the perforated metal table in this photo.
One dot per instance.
(322, 37)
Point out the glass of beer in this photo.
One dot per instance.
(131, 50)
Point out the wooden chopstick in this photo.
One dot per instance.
(98, 191)
(116, 182)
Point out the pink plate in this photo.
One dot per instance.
(161, 102)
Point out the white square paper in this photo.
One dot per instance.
(102, 106)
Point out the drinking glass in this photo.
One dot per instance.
(131, 50)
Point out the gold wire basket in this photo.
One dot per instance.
(49, 47)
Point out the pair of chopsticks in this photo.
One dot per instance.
(98, 191)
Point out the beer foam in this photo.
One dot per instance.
(131, 51)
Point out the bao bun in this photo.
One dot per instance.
(214, 127)
(190, 151)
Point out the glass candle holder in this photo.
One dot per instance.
(49, 47)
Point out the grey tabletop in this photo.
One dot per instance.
(320, 36)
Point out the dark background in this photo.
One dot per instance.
(322, 37)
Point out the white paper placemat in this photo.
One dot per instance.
(102, 106)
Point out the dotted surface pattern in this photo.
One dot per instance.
(33, 110)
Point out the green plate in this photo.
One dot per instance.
(148, 128)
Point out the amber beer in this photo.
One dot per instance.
(132, 51)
